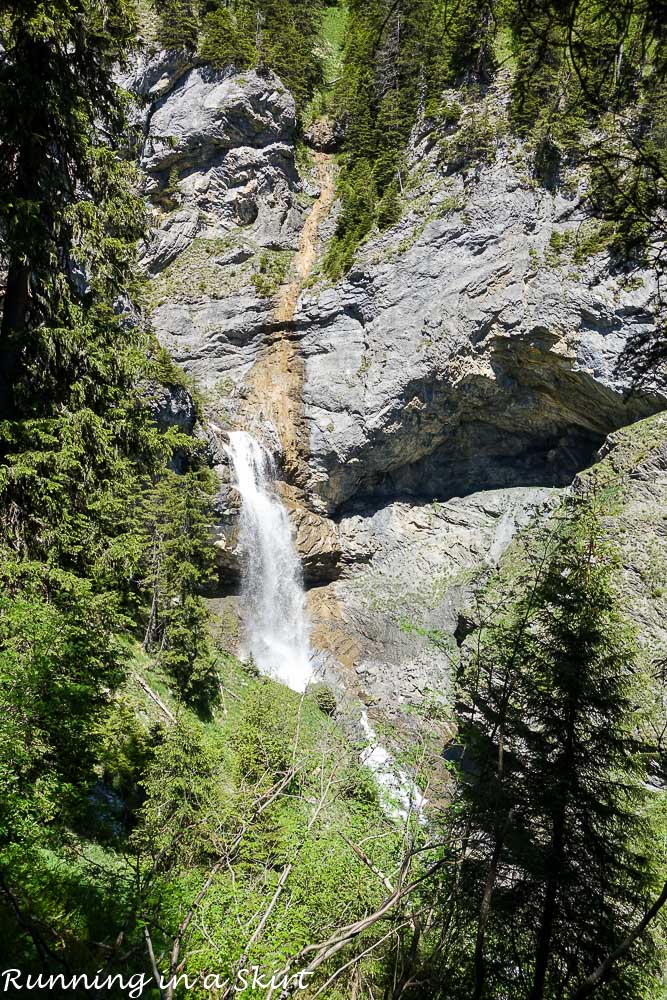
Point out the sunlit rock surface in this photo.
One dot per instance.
(467, 368)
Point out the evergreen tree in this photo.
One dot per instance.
(74, 433)
(178, 25)
(287, 35)
(278, 35)
(65, 204)
(59, 655)
(180, 564)
(586, 65)
(557, 865)
(227, 38)
(398, 57)
(78, 445)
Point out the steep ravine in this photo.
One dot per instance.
(424, 408)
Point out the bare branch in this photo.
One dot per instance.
(369, 864)
(598, 977)
(156, 697)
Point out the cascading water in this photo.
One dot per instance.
(276, 624)
(403, 796)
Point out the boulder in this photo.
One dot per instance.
(324, 135)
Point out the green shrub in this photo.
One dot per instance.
(325, 697)
(273, 270)
(227, 40)
(389, 207)
(178, 25)
(359, 785)
(596, 237)
(264, 737)
(474, 143)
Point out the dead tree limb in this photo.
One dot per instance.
(598, 977)
(156, 698)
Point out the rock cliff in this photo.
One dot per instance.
(422, 409)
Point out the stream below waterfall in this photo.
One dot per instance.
(277, 636)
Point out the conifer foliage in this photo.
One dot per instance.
(584, 66)
(588, 91)
(399, 57)
(557, 860)
(179, 558)
(279, 35)
(65, 201)
(83, 465)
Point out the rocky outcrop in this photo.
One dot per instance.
(317, 541)
(466, 349)
(408, 570)
(219, 164)
(172, 406)
(150, 75)
(227, 142)
(422, 409)
(325, 135)
(462, 352)
(317, 538)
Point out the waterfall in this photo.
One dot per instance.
(403, 797)
(273, 595)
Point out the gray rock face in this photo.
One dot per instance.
(171, 239)
(410, 570)
(460, 355)
(173, 406)
(151, 75)
(218, 157)
(221, 145)
(465, 368)
(210, 110)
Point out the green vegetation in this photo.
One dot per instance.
(145, 775)
(587, 89)
(273, 268)
(279, 35)
(552, 786)
(197, 271)
(396, 56)
(329, 48)
(267, 790)
(247, 807)
(179, 564)
(577, 245)
(163, 809)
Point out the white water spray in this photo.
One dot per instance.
(276, 625)
(403, 798)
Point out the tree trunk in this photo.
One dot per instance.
(549, 908)
(555, 860)
(14, 312)
(483, 920)
(485, 908)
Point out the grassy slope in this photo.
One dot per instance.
(253, 728)
(330, 50)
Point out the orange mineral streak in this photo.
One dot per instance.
(275, 383)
